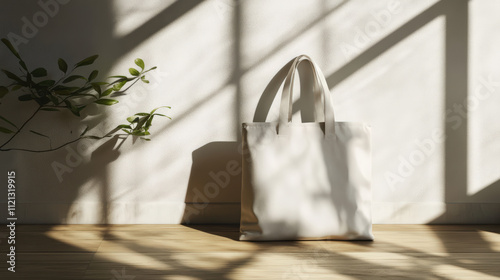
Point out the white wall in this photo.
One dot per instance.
(403, 66)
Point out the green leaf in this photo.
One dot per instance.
(162, 115)
(61, 87)
(141, 114)
(119, 85)
(38, 133)
(134, 72)
(63, 66)
(3, 91)
(16, 87)
(107, 92)
(97, 88)
(85, 94)
(42, 100)
(54, 99)
(13, 76)
(64, 90)
(124, 126)
(157, 108)
(107, 102)
(25, 97)
(149, 122)
(132, 119)
(5, 130)
(139, 62)
(141, 122)
(47, 83)
(93, 75)
(143, 79)
(146, 139)
(23, 65)
(140, 133)
(72, 78)
(49, 109)
(82, 89)
(72, 108)
(87, 61)
(39, 72)
(152, 68)
(9, 122)
(11, 47)
(40, 91)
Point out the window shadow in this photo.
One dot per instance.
(213, 158)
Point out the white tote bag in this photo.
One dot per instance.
(306, 180)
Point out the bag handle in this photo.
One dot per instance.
(285, 115)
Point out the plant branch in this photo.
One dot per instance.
(64, 76)
(58, 147)
(53, 106)
(22, 126)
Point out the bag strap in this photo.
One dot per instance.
(320, 88)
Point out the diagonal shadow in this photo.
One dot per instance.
(387, 42)
(166, 17)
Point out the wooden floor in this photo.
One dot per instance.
(136, 252)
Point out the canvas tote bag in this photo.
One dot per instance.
(306, 180)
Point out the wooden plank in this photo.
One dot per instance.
(213, 252)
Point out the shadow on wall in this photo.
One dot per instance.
(214, 189)
(56, 30)
(216, 156)
(65, 22)
(456, 92)
(71, 30)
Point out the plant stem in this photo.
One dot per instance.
(41, 151)
(53, 149)
(136, 80)
(53, 106)
(64, 76)
(22, 126)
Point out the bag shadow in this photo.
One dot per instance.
(214, 188)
